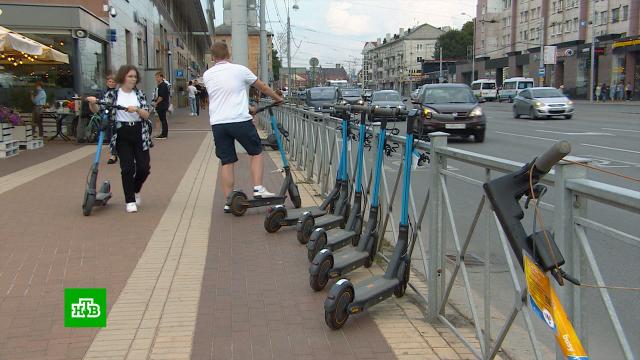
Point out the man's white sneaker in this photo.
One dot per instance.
(138, 199)
(131, 207)
(227, 209)
(262, 192)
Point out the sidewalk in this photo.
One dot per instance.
(183, 279)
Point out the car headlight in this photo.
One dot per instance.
(360, 102)
(569, 102)
(477, 111)
(538, 104)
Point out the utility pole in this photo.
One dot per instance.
(288, 50)
(239, 34)
(541, 66)
(440, 75)
(593, 59)
(473, 51)
(264, 70)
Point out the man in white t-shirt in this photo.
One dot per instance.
(193, 91)
(230, 120)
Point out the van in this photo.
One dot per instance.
(485, 88)
(511, 87)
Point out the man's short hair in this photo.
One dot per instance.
(220, 51)
(159, 73)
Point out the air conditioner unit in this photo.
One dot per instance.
(79, 34)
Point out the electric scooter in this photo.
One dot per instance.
(91, 197)
(271, 141)
(344, 298)
(328, 236)
(307, 222)
(332, 262)
(279, 216)
(237, 199)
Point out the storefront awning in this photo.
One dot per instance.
(18, 49)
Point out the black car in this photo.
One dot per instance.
(457, 100)
(317, 97)
(350, 96)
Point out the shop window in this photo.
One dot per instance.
(140, 52)
(625, 13)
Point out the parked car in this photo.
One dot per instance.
(485, 88)
(388, 99)
(542, 102)
(457, 100)
(320, 96)
(350, 96)
(511, 87)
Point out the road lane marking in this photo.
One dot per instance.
(526, 136)
(624, 130)
(612, 148)
(575, 133)
(604, 158)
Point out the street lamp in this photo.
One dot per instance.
(294, 7)
(473, 52)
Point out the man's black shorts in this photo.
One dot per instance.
(224, 136)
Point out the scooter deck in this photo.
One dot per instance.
(325, 220)
(337, 237)
(102, 198)
(346, 260)
(294, 214)
(373, 291)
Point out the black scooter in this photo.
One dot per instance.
(328, 263)
(307, 222)
(279, 216)
(271, 141)
(344, 298)
(91, 197)
(327, 236)
(237, 199)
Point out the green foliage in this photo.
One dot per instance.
(455, 43)
(276, 64)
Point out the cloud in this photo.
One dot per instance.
(343, 18)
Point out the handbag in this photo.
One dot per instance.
(170, 109)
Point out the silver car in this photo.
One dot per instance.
(542, 102)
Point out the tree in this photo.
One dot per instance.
(276, 64)
(455, 43)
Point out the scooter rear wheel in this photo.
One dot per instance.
(87, 203)
(238, 207)
(403, 276)
(316, 243)
(319, 281)
(273, 221)
(338, 317)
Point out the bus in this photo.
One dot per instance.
(337, 83)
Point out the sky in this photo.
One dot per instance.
(335, 31)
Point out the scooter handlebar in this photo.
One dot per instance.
(110, 106)
(263, 108)
(559, 150)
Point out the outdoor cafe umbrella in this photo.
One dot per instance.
(16, 49)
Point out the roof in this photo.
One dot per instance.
(386, 91)
(334, 74)
(412, 34)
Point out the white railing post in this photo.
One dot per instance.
(567, 206)
(436, 274)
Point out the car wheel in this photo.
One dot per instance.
(479, 136)
(532, 114)
(516, 115)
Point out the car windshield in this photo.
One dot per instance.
(350, 92)
(450, 95)
(546, 93)
(386, 97)
(322, 94)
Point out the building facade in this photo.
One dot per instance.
(100, 36)
(396, 61)
(366, 76)
(509, 35)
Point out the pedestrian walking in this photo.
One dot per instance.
(39, 99)
(162, 103)
(598, 92)
(230, 119)
(110, 85)
(197, 85)
(605, 91)
(192, 92)
(131, 136)
(619, 91)
(612, 92)
(628, 91)
(203, 96)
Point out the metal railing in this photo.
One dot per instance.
(445, 260)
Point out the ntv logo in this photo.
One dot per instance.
(85, 308)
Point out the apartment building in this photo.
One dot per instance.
(509, 35)
(396, 61)
(366, 77)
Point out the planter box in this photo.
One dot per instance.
(6, 132)
(8, 149)
(22, 133)
(31, 144)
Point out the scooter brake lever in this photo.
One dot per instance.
(538, 190)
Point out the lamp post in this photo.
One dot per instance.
(295, 7)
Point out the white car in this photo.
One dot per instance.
(542, 102)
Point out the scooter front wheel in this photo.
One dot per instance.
(338, 316)
(87, 203)
(238, 203)
(304, 227)
(273, 221)
(403, 276)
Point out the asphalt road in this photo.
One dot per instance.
(607, 134)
